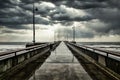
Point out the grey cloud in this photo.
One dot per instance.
(66, 23)
(5, 4)
(83, 4)
(19, 17)
(7, 31)
(63, 13)
(22, 13)
(114, 3)
(65, 17)
(101, 28)
(87, 4)
(17, 14)
(109, 16)
(16, 27)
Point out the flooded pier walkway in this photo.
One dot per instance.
(61, 65)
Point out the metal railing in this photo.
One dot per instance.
(13, 60)
(98, 51)
(20, 51)
(9, 60)
(110, 59)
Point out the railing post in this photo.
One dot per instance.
(107, 55)
(15, 54)
(14, 60)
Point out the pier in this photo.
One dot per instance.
(59, 61)
(61, 64)
(59, 39)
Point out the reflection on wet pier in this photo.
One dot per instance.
(61, 64)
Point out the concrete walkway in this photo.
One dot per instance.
(61, 65)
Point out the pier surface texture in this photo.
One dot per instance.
(61, 65)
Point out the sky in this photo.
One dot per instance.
(93, 20)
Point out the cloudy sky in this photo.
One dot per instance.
(94, 20)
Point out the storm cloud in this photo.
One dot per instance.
(99, 17)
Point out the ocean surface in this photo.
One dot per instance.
(112, 46)
(9, 46)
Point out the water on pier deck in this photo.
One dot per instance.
(61, 65)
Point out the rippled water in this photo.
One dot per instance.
(8, 46)
(112, 46)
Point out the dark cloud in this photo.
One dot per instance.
(83, 4)
(114, 3)
(18, 27)
(7, 31)
(108, 16)
(5, 4)
(16, 13)
(14, 28)
(67, 18)
(64, 13)
(87, 4)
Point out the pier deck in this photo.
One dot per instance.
(61, 65)
(66, 62)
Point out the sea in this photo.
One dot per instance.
(112, 46)
(10, 46)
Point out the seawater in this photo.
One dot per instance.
(112, 46)
(9, 46)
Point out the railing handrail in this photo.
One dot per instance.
(105, 51)
(18, 50)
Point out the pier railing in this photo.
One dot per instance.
(109, 59)
(9, 60)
